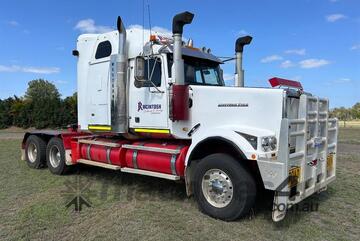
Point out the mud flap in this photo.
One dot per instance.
(279, 207)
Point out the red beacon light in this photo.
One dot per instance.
(279, 82)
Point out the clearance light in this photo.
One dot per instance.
(152, 38)
(190, 43)
(189, 47)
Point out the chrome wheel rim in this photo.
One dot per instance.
(55, 156)
(32, 152)
(217, 188)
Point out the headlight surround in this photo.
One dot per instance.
(251, 139)
(268, 143)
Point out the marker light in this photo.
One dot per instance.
(153, 38)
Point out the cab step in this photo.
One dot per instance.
(98, 164)
(150, 173)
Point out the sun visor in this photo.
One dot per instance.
(194, 53)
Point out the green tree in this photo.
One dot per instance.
(68, 111)
(6, 119)
(21, 112)
(355, 111)
(44, 103)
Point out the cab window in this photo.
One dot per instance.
(153, 71)
(103, 50)
(199, 71)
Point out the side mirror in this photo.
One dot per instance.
(140, 69)
(139, 75)
(221, 71)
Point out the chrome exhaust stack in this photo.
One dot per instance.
(119, 119)
(179, 105)
(239, 48)
(179, 21)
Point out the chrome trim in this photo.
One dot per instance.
(118, 85)
(134, 161)
(32, 152)
(217, 188)
(172, 164)
(173, 161)
(54, 156)
(134, 157)
(100, 143)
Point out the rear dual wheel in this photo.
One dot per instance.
(55, 156)
(223, 188)
(38, 154)
(35, 152)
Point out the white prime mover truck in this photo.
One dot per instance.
(161, 109)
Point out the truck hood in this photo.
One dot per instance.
(248, 109)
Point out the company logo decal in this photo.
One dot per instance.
(154, 108)
(233, 105)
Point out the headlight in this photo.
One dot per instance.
(268, 143)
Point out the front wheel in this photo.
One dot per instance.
(223, 188)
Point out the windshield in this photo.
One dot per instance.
(199, 71)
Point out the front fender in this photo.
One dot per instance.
(227, 133)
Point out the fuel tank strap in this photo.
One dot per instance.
(134, 157)
(88, 152)
(173, 161)
(108, 150)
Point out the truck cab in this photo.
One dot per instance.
(147, 103)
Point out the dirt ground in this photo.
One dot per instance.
(129, 207)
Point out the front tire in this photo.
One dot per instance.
(223, 188)
(35, 152)
(55, 156)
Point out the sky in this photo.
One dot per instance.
(316, 42)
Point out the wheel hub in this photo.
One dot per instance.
(217, 188)
(54, 156)
(32, 152)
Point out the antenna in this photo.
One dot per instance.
(143, 24)
(148, 5)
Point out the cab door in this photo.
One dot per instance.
(98, 78)
(148, 105)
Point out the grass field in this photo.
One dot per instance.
(128, 207)
(350, 124)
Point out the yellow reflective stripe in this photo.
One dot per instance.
(100, 128)
(162, 131)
